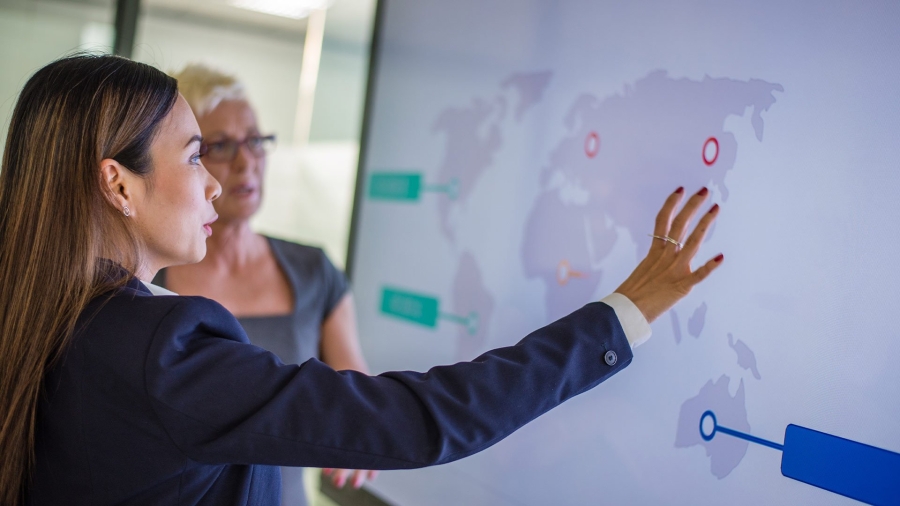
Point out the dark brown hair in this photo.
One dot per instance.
(57, 223)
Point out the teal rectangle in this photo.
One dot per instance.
(409, 306)
(395, 186)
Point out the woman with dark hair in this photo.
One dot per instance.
(111, 395)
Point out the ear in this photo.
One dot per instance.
(118, 183)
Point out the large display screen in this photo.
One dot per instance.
(516, 154)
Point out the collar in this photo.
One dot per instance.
(156, 289)
(138, 286)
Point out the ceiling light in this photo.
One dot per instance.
(294, 9)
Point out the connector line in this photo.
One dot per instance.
(849, 468)
(451, 188)
(462, 320)
(734, 433)
(470, 322)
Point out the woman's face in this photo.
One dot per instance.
(241, 177)
(173, 212)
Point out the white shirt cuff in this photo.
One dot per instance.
(637, 329)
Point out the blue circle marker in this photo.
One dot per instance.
(708, 413)
(849, 468)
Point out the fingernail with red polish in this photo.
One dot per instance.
(719, 258)
(703, 191)
(680, 190)
(714, 209)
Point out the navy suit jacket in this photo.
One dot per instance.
(162, 400)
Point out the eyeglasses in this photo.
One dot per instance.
(226, 150)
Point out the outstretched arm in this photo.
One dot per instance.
(222, 400)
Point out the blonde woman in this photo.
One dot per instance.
(289, 297)
(112, 394)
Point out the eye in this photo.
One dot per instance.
(216, 147)
(195, 158)
(254, 142)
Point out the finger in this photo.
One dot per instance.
(664, 217)
(692, 245)
(706, 269)
(372, 475)
(679, 225)
(327, 471)
(340, 477)
(359, 477)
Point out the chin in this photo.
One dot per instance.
(246, 210)
(198, 255)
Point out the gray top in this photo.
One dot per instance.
(318, 286)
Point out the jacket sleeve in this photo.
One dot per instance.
(222, 400)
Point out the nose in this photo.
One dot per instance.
(244, 159)
(213, 188)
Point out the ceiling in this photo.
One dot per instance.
(347, 20)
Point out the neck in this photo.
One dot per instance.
(146, 274)
(232, 244)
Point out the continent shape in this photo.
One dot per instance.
(651, 139)
(570, 280)
(472, 140)
(473, 137)
(725, 452)
(530, 88)
(746, 359)
(471, 300)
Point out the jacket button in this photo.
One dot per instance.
(610, 358)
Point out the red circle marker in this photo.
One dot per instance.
(592, 145)
(710, 151)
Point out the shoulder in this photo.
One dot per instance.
(295, 250)
(129, 332)
(301, 257)
(190, 313)
(134, 312)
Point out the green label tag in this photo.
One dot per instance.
(420, 309)
(395, 186)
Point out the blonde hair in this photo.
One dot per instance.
(205, 88)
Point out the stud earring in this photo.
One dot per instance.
(126, 211)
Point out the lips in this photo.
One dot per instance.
(207, 227)
(243, 190)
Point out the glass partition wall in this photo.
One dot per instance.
(304, 65)
(34, 33)
(312, 170)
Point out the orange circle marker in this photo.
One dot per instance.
(565, 272)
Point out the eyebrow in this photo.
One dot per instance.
(195, 138)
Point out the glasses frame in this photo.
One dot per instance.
(235, 145)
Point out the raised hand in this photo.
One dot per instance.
(664, 276)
